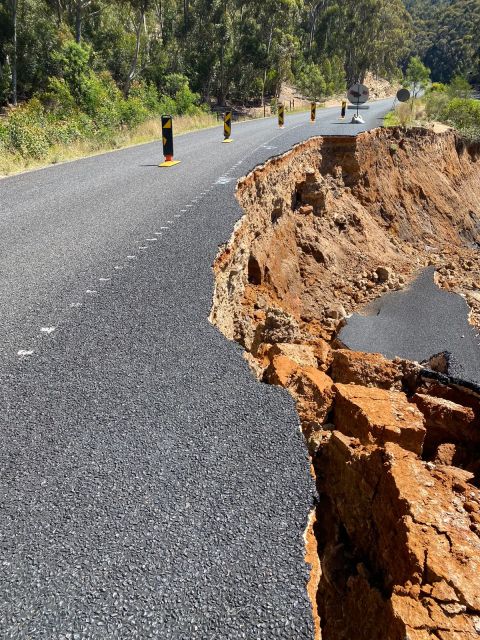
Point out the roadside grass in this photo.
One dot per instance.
(441, 108)
(405, 114)
(148, 131)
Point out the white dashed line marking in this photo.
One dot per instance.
(164, 228)
(151, 240)
(47, 330)
(143, 248)
(75, 305)
(131, 257)
(183, 211)
(24, 352)
(117, 267)
(158, 233)
(90, 292)
(104, 279)
(189, 206)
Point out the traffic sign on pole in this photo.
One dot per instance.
(358, 94)
(403, 95)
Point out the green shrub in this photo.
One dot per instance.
(167, 105)
(27, 132)
(186, 101)
(462, 113)
(133, 111)
(459, 87)
(58, 98)
(437, 87)
(435, 104)
(147, 94)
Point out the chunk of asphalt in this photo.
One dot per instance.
(417, 323)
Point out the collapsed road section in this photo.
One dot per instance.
(395, 444)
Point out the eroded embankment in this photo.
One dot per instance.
(396, 454)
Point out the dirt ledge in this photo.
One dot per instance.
(328, 227)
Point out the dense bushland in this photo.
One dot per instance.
(79, 104)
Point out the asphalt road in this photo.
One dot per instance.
(150, 487)
(416, 324)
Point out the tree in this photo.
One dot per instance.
(446, 37)
(417, 76)
(141, 6)
(312, 83)
(370, 35)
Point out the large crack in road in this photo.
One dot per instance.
(395, 447)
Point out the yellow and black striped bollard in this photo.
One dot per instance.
(313, 112)
(227, 126)
(167, 139)
(344, 109)
(281, 115)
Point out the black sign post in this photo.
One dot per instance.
(167, 139)
(227, 126)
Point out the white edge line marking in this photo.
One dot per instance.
(47, 330)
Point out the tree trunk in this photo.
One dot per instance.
(266, 69)
(159, 12)
(15, 53)
(58, 10)
(133, 69)
(78, 21)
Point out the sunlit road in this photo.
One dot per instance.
(151, 488)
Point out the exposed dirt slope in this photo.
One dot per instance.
(396, 454)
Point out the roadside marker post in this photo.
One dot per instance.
(227, 127)
(167, 139)
(281, 115)
(313, 112)
(344, 109)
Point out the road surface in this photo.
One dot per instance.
(151, 488)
